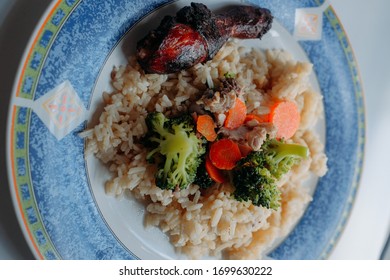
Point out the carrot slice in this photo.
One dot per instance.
(244, 149)
(206, 126)
(214, 173)
(236, 115)
(285, 117)
(258, 118)
(224, 154)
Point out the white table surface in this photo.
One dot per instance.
(367, 25)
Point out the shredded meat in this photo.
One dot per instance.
(237, 134)
(221, 99)
(256, 137)
(252, 135)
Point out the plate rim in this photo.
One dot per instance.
(12, 180)
(361, 150)
(22, 219)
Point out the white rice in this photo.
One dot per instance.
(202, 223)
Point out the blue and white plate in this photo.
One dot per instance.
(58, 192)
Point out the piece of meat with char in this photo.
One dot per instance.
(195, 35)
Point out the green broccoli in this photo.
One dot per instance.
(175, 148)
(255, 176)
(281, 156)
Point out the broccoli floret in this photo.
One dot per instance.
(255, 176)
(175, 148)
(281, 156)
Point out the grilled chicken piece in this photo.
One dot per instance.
(195, 35)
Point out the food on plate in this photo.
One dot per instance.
(284, 115)
(175, 148)
(205, 125)
(224, 154)
(196, 34)
(220, 120)
(256, 175)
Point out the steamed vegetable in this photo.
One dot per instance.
(206, 126)
(176, 149)
(285, 117)
(255, 176)
(236, 115)
(258, 118)
(215, 174)
(224, 154)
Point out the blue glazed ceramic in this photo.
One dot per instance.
(70, 52)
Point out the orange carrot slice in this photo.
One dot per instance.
(206, 126)
(224, 154)
(258, 118)
(285, 117)
(235, 117)
(214, 173)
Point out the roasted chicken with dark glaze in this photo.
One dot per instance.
(195, 35)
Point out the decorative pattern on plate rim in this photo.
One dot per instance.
(354, 69)
(44, 248)
(308, 22)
